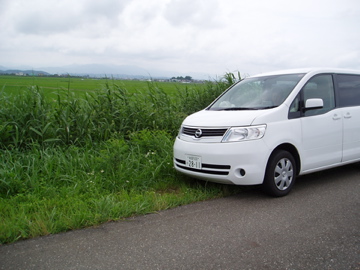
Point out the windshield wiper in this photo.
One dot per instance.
(247, 108)
(267, 107)
(238, 109)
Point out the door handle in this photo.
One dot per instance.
(347, 115)
(336, 117)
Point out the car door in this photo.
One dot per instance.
(348, 88)
(321, 128)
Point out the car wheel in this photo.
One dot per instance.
(280, 174)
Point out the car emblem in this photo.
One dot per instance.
(198, 133)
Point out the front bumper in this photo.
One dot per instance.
(239, 163)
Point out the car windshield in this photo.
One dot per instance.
(257, 93)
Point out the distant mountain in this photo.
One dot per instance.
(23, 72)
(99, 70)
(120, 71)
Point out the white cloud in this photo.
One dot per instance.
(183, 35)
(50, 17)
(198, 14)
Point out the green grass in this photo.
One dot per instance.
(79, 187)
(78, 86)
(69, 162)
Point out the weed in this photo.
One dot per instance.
(68, 162)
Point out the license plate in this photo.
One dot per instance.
(193, 162)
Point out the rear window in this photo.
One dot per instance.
(349, 90)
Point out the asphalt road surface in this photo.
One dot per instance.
(315, 227)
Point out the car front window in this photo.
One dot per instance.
(257, 93)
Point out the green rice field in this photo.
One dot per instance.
(79, 86)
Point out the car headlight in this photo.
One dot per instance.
(238, 134)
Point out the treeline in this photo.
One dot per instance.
(181, 78)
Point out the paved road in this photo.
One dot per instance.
(315, 227)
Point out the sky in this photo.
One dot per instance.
(205, 36)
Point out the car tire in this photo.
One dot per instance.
(280, 174)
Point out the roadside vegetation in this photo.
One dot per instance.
(70, 161)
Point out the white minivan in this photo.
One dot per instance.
(269, 128)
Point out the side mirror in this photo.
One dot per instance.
(314, 103)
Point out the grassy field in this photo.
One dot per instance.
(70, 160)
(79, 86)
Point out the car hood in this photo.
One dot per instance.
(206, 118)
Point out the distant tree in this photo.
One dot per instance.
(181, 78)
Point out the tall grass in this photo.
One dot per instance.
(72, 162)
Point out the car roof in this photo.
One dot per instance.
(309, 70)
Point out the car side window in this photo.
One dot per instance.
(295, 108)
(349, 90)
(320, 86)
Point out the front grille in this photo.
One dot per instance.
(206, 168)
(206, 132)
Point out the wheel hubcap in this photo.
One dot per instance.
(283, 174)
